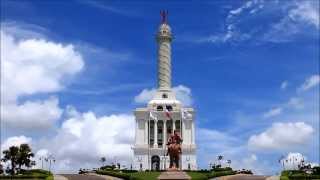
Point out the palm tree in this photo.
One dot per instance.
(24, 156)
(103, 159)
(229, 162)
(12, 154)
(220, 157)
(1, 169)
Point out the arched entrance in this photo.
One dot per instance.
(155, 163)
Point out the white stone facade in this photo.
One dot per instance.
(152, 123)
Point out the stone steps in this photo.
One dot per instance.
(174, 175)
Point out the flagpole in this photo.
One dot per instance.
(149, 142)
(181, 136)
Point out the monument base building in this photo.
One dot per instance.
(163, 114)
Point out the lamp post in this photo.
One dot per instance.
(51, 159)
(41, 159)
(140, 160)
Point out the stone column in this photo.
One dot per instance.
(173, 125)
(192, 132)
(155, 127)
(164, 133)
(135, 136)
(182, 129)
(146, 132)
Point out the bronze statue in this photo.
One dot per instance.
(174, 150)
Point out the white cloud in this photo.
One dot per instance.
(182, 92)
(145, 96)
(284, 85)
(297, 17)
(33, 66)
(84, 138)
(294, 18)
(15, 141)
(212, 143)
(272, 112)
(306, 11)
(281, 136)
(310, 82)
(32, 114)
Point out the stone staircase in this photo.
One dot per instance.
(174, 175)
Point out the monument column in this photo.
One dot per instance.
(164, 54)
(155, 145)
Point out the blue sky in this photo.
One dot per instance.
(250, 68)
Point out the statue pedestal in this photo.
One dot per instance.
(173, 175)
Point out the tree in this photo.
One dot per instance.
(103, 159)
(18, 156)
(25, 155)
(1, 168)
(12, 154)
(220, 157)
(229, 162)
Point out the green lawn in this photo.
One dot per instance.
(145, 175)
(198, 175)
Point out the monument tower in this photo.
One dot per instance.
(163, 114)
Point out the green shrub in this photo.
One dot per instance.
(222, 169)
(220, 173)
(316, 170)
(284, 178)
(24, 177)
(30, 174)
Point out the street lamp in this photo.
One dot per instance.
(140, 160)
(51, 159)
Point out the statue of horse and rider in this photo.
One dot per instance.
(174, 149)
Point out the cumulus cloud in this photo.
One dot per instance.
(310, 82)
(32, 114)
(145, 95)
(33, 66)
(281, 136)
(272, 112)
(182, 92)
(15, 141)
(84, 138)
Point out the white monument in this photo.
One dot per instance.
(163, 114)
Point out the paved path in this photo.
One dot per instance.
(242, 177)
(59, 177)
(90, 176)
